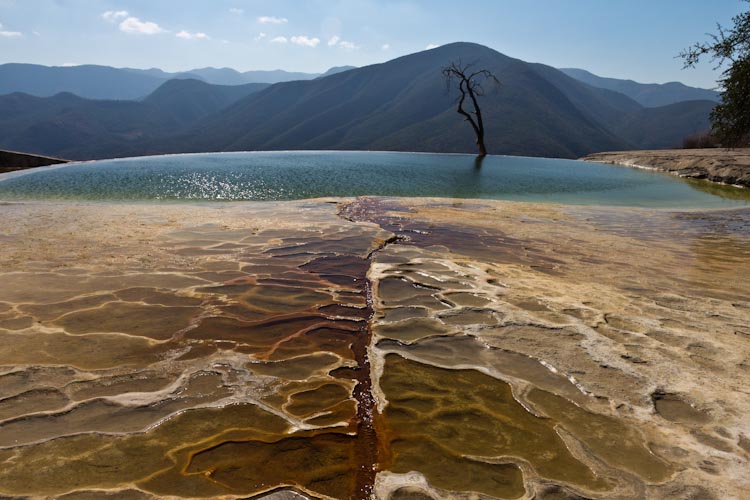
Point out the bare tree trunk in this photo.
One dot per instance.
(471, 86)
(481, 146)
(480, 124)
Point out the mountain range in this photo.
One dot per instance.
(105, 82)
(401, 104)
(78, 128)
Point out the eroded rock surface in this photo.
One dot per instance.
(373, 347)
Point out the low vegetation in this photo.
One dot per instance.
(700, 140)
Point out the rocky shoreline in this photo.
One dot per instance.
(726, 166)
(13, 160)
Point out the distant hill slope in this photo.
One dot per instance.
(647, 94)
(73, 127)
(336, 69)
(191, 100)
(665, 126)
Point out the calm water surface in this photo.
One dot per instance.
(298, 175)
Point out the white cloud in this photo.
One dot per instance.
(69, 65)
(131, 24)
(136, 26)
(272, 20)
(260, 36)
(8, 34)
(237, 11)
(113, 15)
(186, 35)
(431, 46)
(279, 39)
(386, 46)
(305, 41)
(336, 41)
(348, 45)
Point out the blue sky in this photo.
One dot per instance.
(635, 39)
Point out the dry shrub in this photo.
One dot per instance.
(700, 140)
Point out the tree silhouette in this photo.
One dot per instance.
(470, 84)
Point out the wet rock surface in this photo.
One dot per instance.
(386, 348)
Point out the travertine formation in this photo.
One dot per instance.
(387, 348)
(727, 166)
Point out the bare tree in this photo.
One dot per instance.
(470, 84)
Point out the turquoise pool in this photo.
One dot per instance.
(312, 174)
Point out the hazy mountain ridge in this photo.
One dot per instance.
(646, 94)
(105, 82)
(90, 81)
(229, 76)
